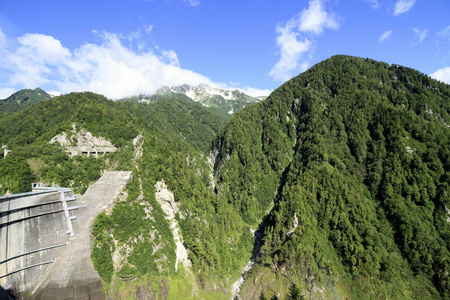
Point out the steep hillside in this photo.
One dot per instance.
(118, 121)
(344, 173)
(163, 144)
(28, 133)
(21, 100)
(355, 156)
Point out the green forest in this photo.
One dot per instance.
(361, 153)
(22, 100)
(343, 171)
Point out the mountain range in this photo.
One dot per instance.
(337, 186)
(223, 102)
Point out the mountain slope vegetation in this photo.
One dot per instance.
(21, 100)
(174, 136)
(343, 171)
(360, 152)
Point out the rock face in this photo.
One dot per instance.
(82, 138)
(166, 199)
(83, 142)
(203, 93)
(167, 202)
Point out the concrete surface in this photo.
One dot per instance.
(71, 275)
(20, 233)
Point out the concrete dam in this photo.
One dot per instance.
(45, 240)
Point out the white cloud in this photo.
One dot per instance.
(403, 6)
(171, 57)
(374, 3)
(2, 38)
(420, 35)
(444, 33)
(294, 42)
(385, 35)
(54, 93)
(292, 48)
(442, 75)
(192, 2)
(254, 92)
(315, 18)
(45, 47)
(37, 57)
(6, 92)
(109, 68)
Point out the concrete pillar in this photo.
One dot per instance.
(5, 150)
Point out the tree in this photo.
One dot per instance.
(294, 293)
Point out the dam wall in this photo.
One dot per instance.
(33, 229)
(45, 240)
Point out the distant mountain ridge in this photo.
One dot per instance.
(27, 95)
(22, 99)
(203, 93)
(222, 100)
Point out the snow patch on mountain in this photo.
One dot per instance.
(203, 91)
(228, 101)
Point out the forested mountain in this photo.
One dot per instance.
(27, 134)
(21, 100)
(344, 171)
(174, 136)
(356, 156)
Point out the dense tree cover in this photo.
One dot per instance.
(28, 132)
(192, 121)
(175, 135)
(22, 100)
(16, 175)
(218, 239)
(117, 121)
(47, 163)
(294, 293)
(361, 153)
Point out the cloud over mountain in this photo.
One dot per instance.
(109, 68)
(295, 39)
(442, 75)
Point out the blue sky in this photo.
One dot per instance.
(121, 48)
